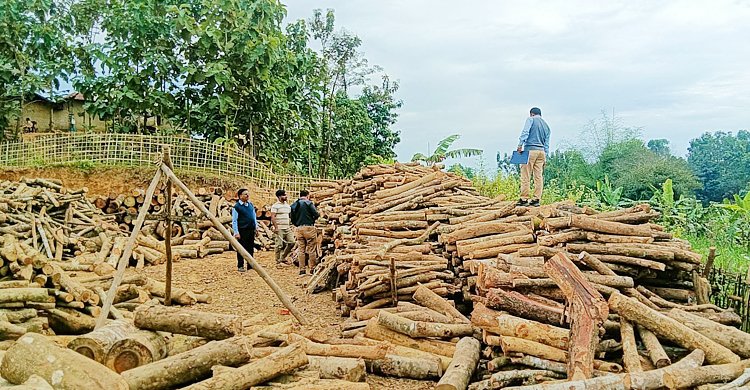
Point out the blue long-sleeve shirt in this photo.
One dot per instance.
(235, 216)
(535, 134)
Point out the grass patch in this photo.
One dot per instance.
(729, 257)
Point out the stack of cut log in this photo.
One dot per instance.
(57, 257)
(382, 206)
(166, 347)
(124, 208)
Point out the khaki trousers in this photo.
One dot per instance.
(307, 246)
(535, 166)
(284, 240)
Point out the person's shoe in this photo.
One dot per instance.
(241, 269)
(522, 202)
(302, 272)
(534, 203)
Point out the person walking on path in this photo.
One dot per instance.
(282, 227)
(244, 225)
(534, 139)
(303, 217)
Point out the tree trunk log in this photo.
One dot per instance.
(348, 369)
(9, 295)
(630, 357)
(417, 329)
(188, 322)
(95, 345)
(282, 361)
(427, 298)
(654, 379)
(63, 368)
(137, 349)
(377, 332)
(406, 367)
(692, 377)
(462, 367)
(655, 351)
(670, 329)
(190, 366)
(734, 339)
(522, 306)
(508, 325)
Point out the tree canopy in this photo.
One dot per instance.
(297, 96)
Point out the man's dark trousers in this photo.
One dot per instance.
(247, 239)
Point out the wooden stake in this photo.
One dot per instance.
(168, 233)
(235, 244)
(125, 258)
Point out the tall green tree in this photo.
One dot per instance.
(722, 162)
(34, 54)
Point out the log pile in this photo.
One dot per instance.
(57, 257)
(124, 209)
(631, 293)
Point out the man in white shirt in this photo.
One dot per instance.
(282, 227)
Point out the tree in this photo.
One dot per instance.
(722, 162)
(461, 170)
(659, 146)
(34, 53)
(444, 151)
(600, 133)
(569, 168)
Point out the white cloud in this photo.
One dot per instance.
(675, 68)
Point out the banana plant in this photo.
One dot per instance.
(444, 151)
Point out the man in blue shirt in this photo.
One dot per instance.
(244, 224)
(534, 139)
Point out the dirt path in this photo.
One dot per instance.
(246, 294)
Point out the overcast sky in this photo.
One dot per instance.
(676, 69)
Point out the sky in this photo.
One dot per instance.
(676, 69)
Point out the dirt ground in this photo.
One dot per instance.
(246, 294)
(99, 181)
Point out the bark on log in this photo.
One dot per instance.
(427, 298)
(348, 369)
(522, 306)
(418, 329)
(9, 295)
(734, 339)
(654, 379)
(630, 358)
(462, 367)
(406, 367)
(508, 325)
(282, 361)
(95, 345)
(692, 377)
(377, 332)
(69, 321)
(611, 382)
(188, 322)
(62, 368)
(137, 349)
(190, 366)
(655, 351)
(599, 226)
(669, 329)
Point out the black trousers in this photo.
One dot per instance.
(247, 238)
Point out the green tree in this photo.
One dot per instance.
(444, 151)
(722, 162)
(34, 53)
(659, 146)
(602, 132)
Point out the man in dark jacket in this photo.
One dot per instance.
(303, 217)
(244, 224)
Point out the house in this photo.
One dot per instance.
(56, 115)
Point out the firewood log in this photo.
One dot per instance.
(95, 345)
(66, 369)
(462, 368)
(191, 323)
(285, 360)
(190, 366)
(136, 349)
(734, 339)
(670, 329)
